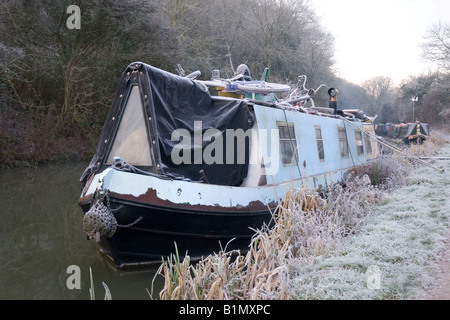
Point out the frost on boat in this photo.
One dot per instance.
(176, 165)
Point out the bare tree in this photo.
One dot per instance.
(379, 90)
(67, 77)
(436, 47)
(435, 108)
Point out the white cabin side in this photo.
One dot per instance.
(293, 146)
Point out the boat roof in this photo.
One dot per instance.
(173, 103)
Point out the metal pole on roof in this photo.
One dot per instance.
(414, 99)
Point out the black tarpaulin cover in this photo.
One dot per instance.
(170, 103)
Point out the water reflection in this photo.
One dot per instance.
(41, 234)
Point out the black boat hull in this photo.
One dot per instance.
(146, 234)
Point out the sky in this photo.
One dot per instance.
(380, 37)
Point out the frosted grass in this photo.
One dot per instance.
(359, 242)
(402, 237)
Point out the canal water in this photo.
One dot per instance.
(43, 245)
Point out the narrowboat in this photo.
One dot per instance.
(178, 167)
(414, 132)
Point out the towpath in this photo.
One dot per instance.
(441, 287)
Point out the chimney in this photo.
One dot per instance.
(333, 93)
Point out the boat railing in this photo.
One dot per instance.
(242, 83)
(239, 85)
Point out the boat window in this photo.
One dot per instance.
(368, 144)
(320, 143)
(288, 144)
(343, 143)
(359, 142)
(131, 142)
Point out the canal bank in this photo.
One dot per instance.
(400, 250)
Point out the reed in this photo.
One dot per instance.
(308, 224)
(431, 146)
(108, 295)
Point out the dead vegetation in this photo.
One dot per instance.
(307, 225)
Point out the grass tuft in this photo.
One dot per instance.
(309, 243)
